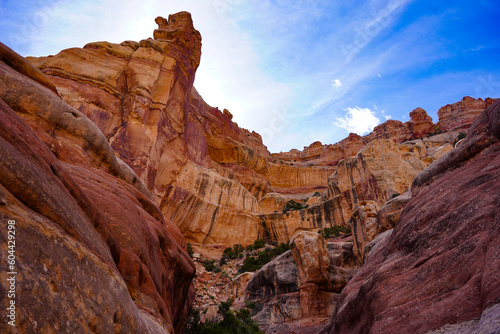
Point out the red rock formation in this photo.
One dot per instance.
(440, 265)
(461, 115)
(420, 123)
(317, 154)
(454, 116)
(94, 253)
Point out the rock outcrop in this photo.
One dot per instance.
(298, 289)
(440, 267)
(461, 115)
(93, 252)
(376, 173)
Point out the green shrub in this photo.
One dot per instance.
(253, 263)
(223, 260)
(316, 194)
(233, 322)
(293, 205)
(255, 307)
(259, 243)
(234, 252)
(335, 231)
(211, 266)
(461, 136)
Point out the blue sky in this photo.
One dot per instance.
(297, 71)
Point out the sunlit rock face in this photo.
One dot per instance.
(141, 96)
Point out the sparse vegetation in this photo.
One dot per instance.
(316, 194)
(395, 195)
(233, 322)
(335, 231)
(461, 136)
(211, 266)
(253, 263)
(231, 253)
(293, 205)
(259, 243)
(255, 307)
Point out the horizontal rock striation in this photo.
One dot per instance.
(462, 114)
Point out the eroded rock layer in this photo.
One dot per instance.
(212, 178)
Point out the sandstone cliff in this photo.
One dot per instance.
(93, 252)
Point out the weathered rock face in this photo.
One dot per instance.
(211, 209)
(364, 226)
(299, 289)
(238, 285)
(272, 202)
(91, 241)
(420, 123)
(389, 213)
(296, 179)
(142, 98)
(137, 93)
(376, 173)
(462, 114)
(440, 266)
(280, 227)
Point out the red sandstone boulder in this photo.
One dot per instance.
(420, 123)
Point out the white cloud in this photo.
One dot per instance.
(358, 120)
(336, 83)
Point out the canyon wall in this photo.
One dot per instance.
(93, 251)
(111, 161)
